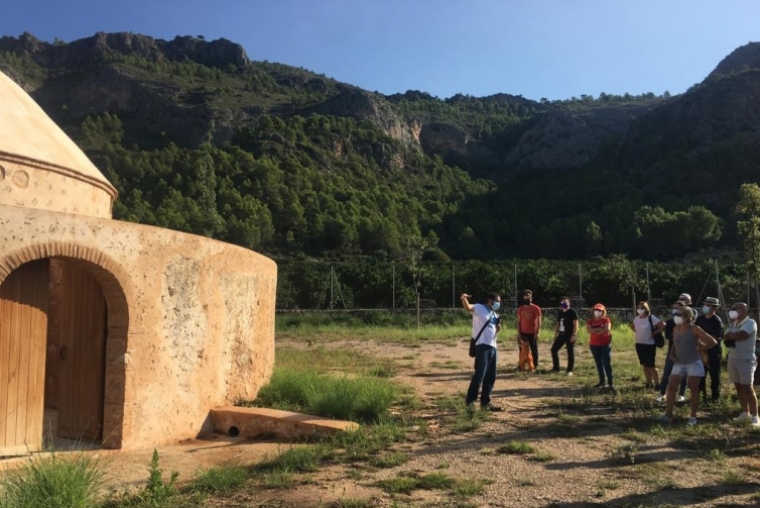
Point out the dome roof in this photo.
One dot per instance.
(30, 137)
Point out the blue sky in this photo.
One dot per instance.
(538, 48)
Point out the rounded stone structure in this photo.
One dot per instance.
(40, 167)
(111, 332)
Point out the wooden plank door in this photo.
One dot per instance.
(23, 336)
(82, 331)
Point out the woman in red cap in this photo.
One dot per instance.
(599, 329)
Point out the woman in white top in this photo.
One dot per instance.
(646, 326)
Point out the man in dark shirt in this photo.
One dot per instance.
(565, 333)
(668, 332)
(711, 324)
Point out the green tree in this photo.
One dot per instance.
(748, 209)
(593, 239)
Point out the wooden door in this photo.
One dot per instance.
(81, 314)
(23, 335)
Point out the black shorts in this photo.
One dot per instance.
(646, 354)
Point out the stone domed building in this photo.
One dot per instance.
(112, 332)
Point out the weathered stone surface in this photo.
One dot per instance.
(190, 321)
(252, 422)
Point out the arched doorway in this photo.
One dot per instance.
(55, 330)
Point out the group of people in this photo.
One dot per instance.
(692, 340)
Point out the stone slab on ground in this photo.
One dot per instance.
(254, 422)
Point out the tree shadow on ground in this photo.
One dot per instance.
(671, 496)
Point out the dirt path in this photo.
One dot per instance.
(577, 461)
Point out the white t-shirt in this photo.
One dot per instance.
(643, 330)
(745, 349)
(480, 315)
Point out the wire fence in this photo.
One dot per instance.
(368, 287)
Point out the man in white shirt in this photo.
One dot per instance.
(740, 340)
(485, 326)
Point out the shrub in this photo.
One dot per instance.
(53, 482)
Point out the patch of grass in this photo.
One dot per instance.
(542, 457)
(461, 418)
(298, 459)
(368, 440)
(399, 484)
(361, 398)
(382, 371)
(715, 455)
(609, 485)
(389, 460)
(526, 482)
(277, 480)
(220, 480)
(351, 503)
(516, 448)
(625, 454)
(468, 487)
(443, 465)
(732, 478)
(634, 436)
(53, 482)
(450, 364)
(406, 483)
(568, 419)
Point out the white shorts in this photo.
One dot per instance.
(741, 370)
(694, 369)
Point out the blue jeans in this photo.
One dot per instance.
(485, 374)
(602, 357)
(666, 375)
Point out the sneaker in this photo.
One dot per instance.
(555, 370)
(664, 419)
(569, 374)
(744, 417)
(754, 421)
(681, 398)
(691, 421)
(492, 408)
(657, 388)
(600, 384)
(660, 398)
(611, 387)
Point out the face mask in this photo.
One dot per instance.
(706, 309)
(598, 313)
(674, 312)
(641, 312)
(678, 320)
(733, 314)
(563, 305)
(526, 302)
(496, 305)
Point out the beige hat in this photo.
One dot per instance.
(685, 297)
(710, 300)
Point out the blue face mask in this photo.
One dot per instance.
(563, 305)
(496, 305)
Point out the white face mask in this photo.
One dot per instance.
(641, 312)
(733, 314)
(706, 309)
(598, 313)
(678, 320)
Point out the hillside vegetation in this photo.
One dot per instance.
(197, 137)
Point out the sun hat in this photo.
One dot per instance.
(710, 300)
(685, 297)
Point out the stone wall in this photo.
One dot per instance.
(191, 320)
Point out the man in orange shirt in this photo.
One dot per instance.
(529, 324)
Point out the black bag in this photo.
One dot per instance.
(659, 338)
(475, 339)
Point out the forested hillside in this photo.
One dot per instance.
(197, 137)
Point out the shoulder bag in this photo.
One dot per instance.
(475, 339)
(659, 338)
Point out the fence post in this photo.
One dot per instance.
(393, 277)
(453, 287)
